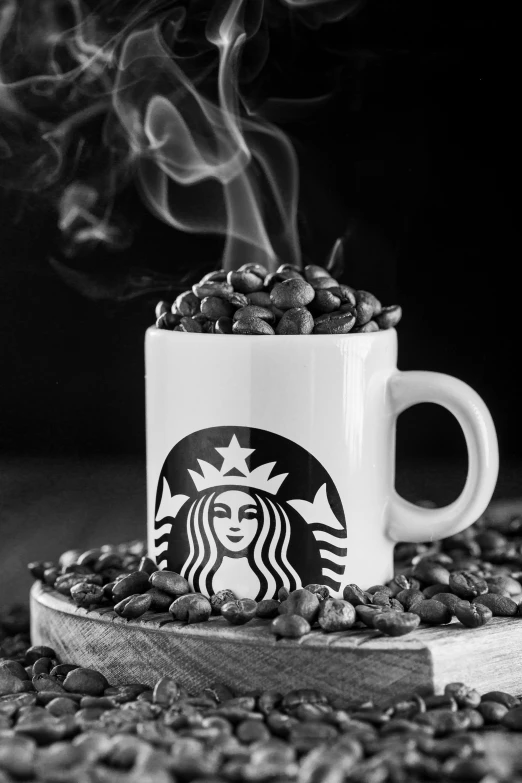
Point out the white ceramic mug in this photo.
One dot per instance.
(271, 460)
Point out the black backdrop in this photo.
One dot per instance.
(414, 155)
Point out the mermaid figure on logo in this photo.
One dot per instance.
(239, 536)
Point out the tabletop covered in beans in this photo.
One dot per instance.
(289, 301)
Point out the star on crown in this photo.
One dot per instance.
(234, 459)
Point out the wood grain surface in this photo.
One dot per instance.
(353, 664)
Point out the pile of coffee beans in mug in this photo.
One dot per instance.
(468, 578)
(288, 301)
(62, 723)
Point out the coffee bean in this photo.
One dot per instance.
(472, 615)
(396, 623)
(218, 599)
(223, 326)
(246, 282)
(253, 311)
(61, 705)
(36, 652)
(409, 598)
(267, 609)
(492, 712)
(389, 317)
(334, 323)
(448, 599)
(321, 591)
(366, 328)
(193, 608)
(336, 614)
(324, 284)
(168, 321)
(170, 582)
(315, 272)
(186, 304)
(254, 326)
(214, 307)
(189, 325)
(292, 293)
(85, 594)
(290, 626)
(432, 590)
(463, 695)
(240, 611)
(504, 582)
(249, 731)
(367, 614)
(38, 568)
(387, 602)
(260, 299)
(86, 681)
(325, 301)
(500, 606)
(430, 572)
(432, 612)
(466, 585)
(355, 596)
(297, 320)
(444, 722)
(133, 606)
(64, 583)
(513, 719)
(367, 305)
(211, 288)
(502, 697)
(303, 603)
(159, 600)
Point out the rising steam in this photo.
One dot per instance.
(92, 98)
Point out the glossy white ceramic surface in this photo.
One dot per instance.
(338, 397)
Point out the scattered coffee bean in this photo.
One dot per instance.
(297, 320)
(501, 606)
(334, 323)
(193, 608)
(240, 611)
(472, 615)
(467, 585)
(252, 325)
(134, 606)
(396, 623)
(218, 599)
(389, 317)
(335, 614)
(267, 609)
(169, 582)
(432, 612)
(290, 626)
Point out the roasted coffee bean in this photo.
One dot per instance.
(290, 626)
(303, 603)
(444, 722)
(253, 311)
(432, 590)
(367, 614)
(380, 589)
(354, 595)
(466, 585)
(501, 697)
(315, 272)
(159, 601)
(260, 299)
(430, 572)
(387, 602)
(212, 288)
(254, 326)
(321, 591)
(217, 276)
(297, 320)
(189, 325)
(492, 712)
(186, 304)
(61, 705)
(267, 609)
(367, 305)
(41, 666)
(85, 594)
(36, 652)
(223, 326)
(432, 612)
(334, 323)
(325, 300)
(335, 614)
(108, 560)
(324, 284)
(389, 317)
(463, 695)
(168, 321)
(64, 583)
(170, 582)
(213, 307)
(403, 582)
(249, 731)
(500, 606)
(444, 701)
(133, 606)
(396, 623)
(513, 719)
(38, 568)
(274, 278)
(504, 582)
(193, 608)
(63, 669)
(472, 615)
(240, 611)
(409, 598)
(246, 282)
(366, 328)
(448, 599)
(86, 681)
(294, 292)
(161, 308)
(218, 599)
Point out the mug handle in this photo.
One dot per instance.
(408, 522)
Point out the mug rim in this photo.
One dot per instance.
(204, 335)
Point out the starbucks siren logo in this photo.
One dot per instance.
(223, 523)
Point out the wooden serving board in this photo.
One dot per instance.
(357, 665)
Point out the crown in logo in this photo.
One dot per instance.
(235, 471)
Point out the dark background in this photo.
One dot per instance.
(412, 157)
